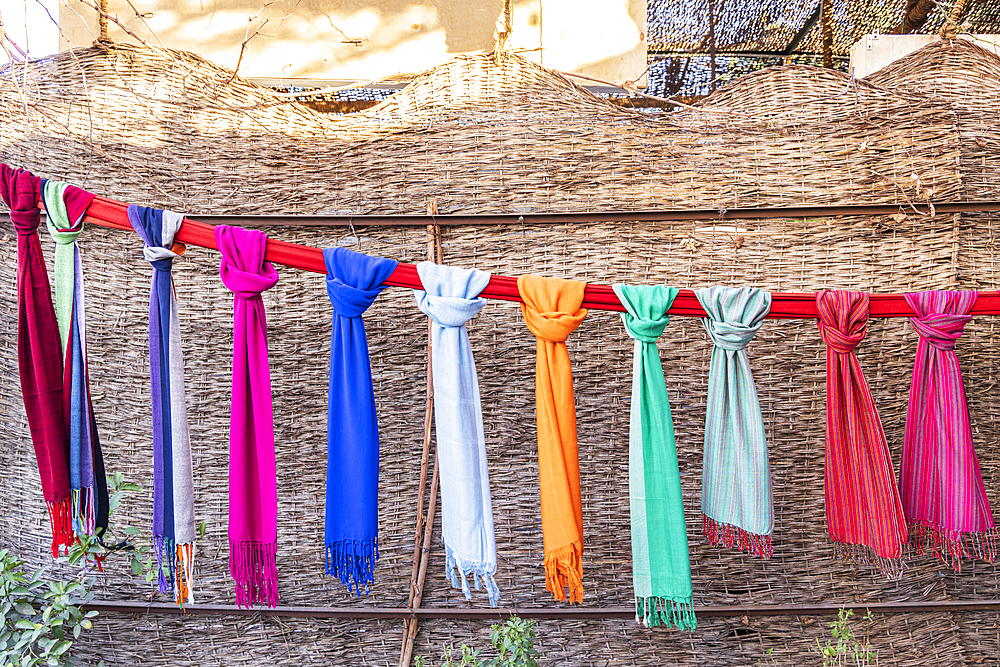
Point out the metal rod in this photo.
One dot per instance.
(597, 613)
(654, 215)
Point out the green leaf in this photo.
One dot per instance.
(24, 609)
(136, 566)
(24, 624)
(202, 528)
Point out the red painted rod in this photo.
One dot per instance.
(784, 305)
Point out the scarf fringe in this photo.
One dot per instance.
(891, 568)
(952, 546)
(669, 612)
(456, 566)
(734, 537)
(61, 523)
(184, 563)
(353, 563)
(562, 570)
(253, 565)
(165, 566)
(84, 518)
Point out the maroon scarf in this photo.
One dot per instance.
(39, 355)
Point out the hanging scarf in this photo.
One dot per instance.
(353, 280)
(737, 509)
(449, 298)
(551, 309)
(253, 489)
(661, 565)
(173, 482)
(941, 487)
(863, 511)
(38, 354)
(87, 480)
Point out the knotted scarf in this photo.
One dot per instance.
(863, 511)
(87, 480)
(941, 487)
(253, 490)
(552, 311)
(39, 359)
(661, 565)
(353, 280)
(736, 501)
(449, 298)
(173, 482)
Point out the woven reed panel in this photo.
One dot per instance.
(512, 137)
(967, 78)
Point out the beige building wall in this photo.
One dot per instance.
(370, 40)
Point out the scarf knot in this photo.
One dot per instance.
(731, 336)
(552, 326)
(349, 301)
(156, 228)
(645, 329)
(449, 311)
(20, 190)
(244, 270)
(940, 331)
(65, 236)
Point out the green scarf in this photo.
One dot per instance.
(661, 566)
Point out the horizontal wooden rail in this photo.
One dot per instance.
(581, 613)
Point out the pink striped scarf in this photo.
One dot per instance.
(863, 511)
(942, 489)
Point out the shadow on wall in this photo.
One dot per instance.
(301, 38)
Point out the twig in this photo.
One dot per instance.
(247, 37)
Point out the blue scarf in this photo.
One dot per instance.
(353, 281)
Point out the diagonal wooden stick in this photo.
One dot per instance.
(421, 551)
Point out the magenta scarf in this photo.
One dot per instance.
(253, 488)
(939, 479)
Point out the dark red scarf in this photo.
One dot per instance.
(39, 356)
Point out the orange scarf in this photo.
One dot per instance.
(552, 311)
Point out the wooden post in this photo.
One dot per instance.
(421, 547)
(826, 28)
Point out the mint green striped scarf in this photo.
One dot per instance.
(661, 566)
(736, 480)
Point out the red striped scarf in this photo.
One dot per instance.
(942, 490)
(863, 510)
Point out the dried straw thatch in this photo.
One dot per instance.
(496, 134)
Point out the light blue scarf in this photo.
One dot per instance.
(449, 298)
(736, 480)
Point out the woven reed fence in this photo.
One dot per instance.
(500, 134)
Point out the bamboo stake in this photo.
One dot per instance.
(420, 555)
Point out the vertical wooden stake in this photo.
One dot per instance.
(422, 551)
(826, 30)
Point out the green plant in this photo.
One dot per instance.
(40, 618)
(514, 640)
(847, 649)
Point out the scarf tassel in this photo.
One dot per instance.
(455, 566)
(562, 570)
(61, 521)
(353, 563)
(184, 562)
(253, 566)
(655, 611)
(83, 515)
(734, 537)
(952, 548)
(891, 568)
